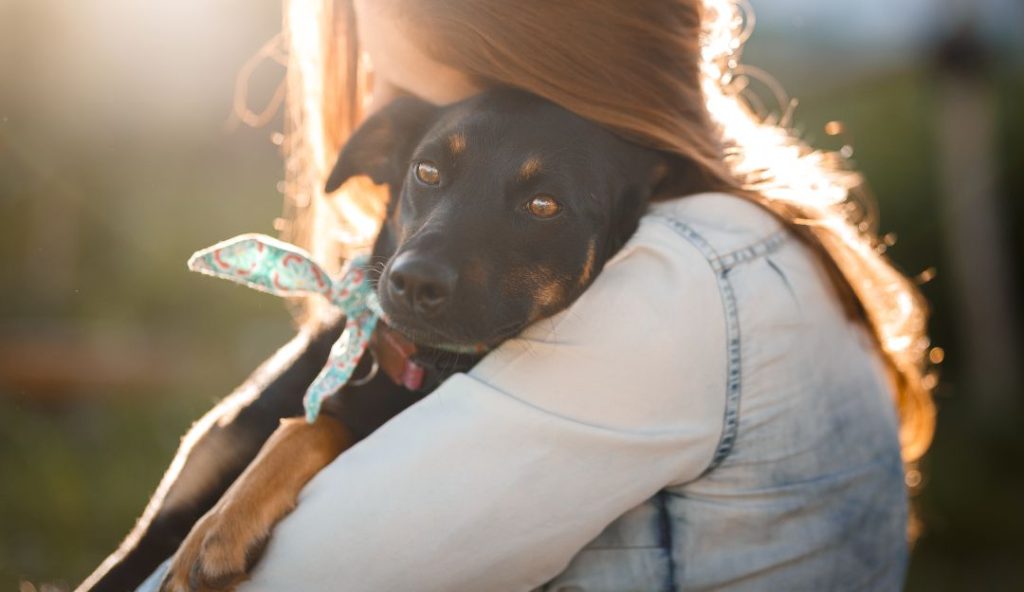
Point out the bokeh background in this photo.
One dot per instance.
(120, 155)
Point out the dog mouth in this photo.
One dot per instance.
(437, 338)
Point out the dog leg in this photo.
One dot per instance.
(214, 452)
(229, 539)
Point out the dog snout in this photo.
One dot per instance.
(422, 285)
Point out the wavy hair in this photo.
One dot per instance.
(663, 73)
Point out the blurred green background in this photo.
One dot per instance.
(119, 156)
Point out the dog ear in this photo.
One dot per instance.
(674, 175)
(381, 146)
(653, 174)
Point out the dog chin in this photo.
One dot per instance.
(434, 338)
(426, 336)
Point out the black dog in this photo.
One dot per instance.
(503, 209)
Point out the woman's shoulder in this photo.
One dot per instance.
(672, 265)
(717, 224)
(692, 239)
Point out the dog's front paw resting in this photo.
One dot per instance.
(228, 541)
(219, 552)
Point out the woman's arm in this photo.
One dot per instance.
(499, 477)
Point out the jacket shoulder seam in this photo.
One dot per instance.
(730, 421)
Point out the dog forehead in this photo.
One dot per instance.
(522, 152)
(512, 118)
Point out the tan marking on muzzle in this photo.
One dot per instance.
(547, 297)
(545, 288)
(549, 293)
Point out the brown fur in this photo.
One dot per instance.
(547, 290)
(457, 143)
(588, 267)
(529, 168)
(549, 294)
(224, 544)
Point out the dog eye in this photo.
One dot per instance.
(544, 206)
(427, 173)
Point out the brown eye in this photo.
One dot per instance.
(544, 206)
(427, 173)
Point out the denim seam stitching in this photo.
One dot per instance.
(732, 333)
(761, 248)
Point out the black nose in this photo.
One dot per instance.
(423, 285)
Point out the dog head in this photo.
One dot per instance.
(503, 209)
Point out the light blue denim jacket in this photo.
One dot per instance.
(704, 417)
(805, 490)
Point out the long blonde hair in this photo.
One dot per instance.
(664, 73)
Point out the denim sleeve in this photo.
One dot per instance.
(498, 478)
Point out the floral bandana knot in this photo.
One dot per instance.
(278, 268)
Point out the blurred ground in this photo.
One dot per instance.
(118, 159)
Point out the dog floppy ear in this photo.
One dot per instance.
(652, 175)
(675, 175)
(381, 146)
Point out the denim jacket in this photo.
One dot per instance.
(805, 490)
(704, 417)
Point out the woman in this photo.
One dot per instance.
(725, 408)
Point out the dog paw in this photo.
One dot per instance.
(217, 555)
(227, 542)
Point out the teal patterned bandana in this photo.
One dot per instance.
(278, 268)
